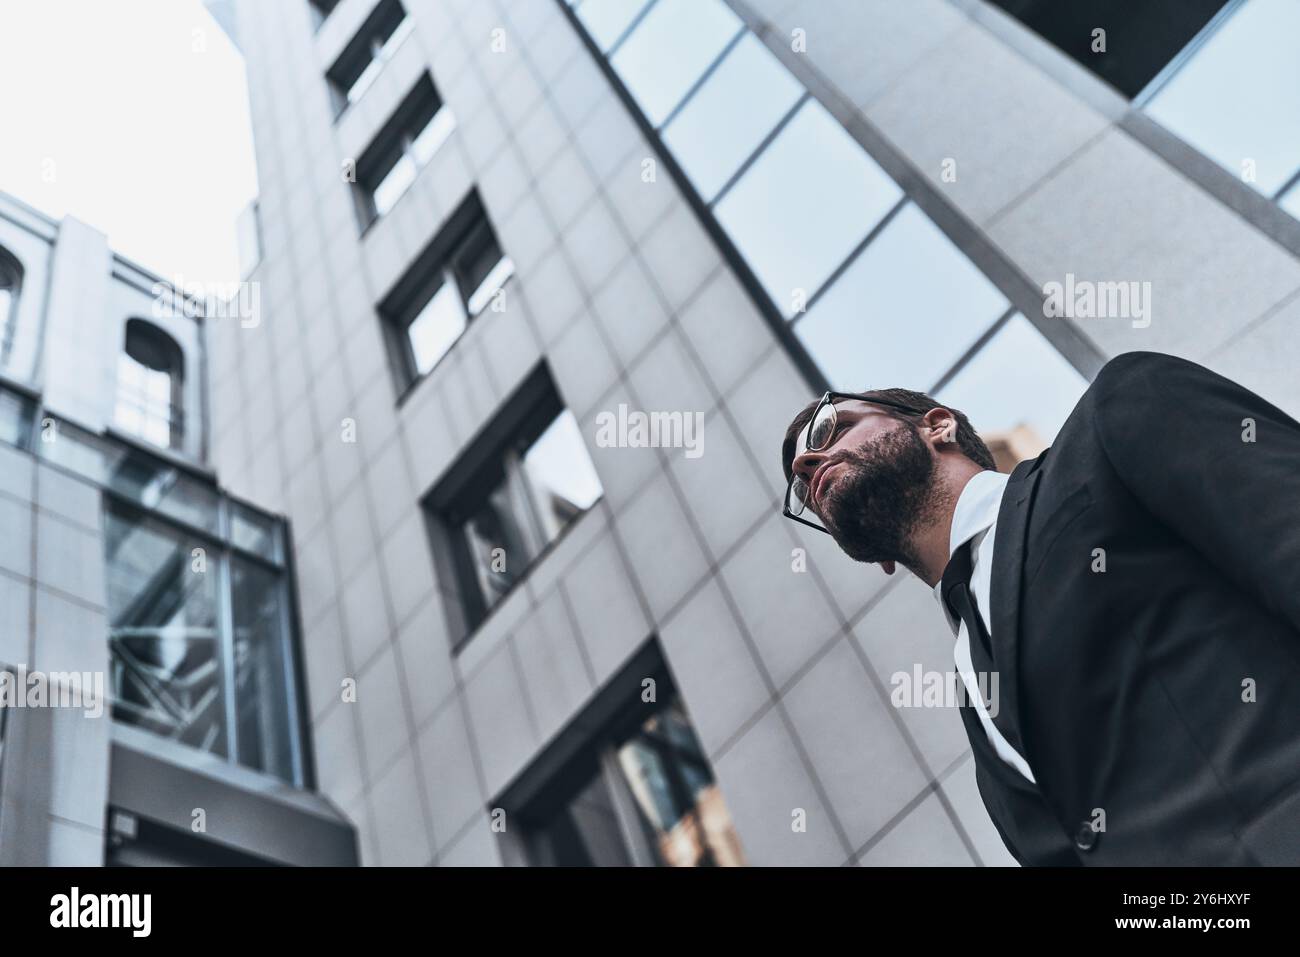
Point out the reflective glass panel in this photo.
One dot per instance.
(804, 205)
(606, 20)
(728, 117)
(164, 641)
(669, 50)
(395, 182)
(433, 135)
(907, 308)
(560, 475)
(1238, 98)
(261, 670)
(438, 325)
(1018, 380)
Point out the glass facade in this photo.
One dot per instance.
(201, 635)
(644, 796)
(1235, 96)
(870, 288)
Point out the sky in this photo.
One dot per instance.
(132, 116)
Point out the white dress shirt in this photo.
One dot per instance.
(975, 520)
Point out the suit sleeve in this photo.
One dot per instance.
(1175, 433)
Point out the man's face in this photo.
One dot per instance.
(871, 485)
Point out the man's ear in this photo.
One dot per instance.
(939, 426)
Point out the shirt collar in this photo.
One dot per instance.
(977, 507)
(976, 511)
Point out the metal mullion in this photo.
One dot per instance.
(839, 270)
(704, 77)
(226, 620)
(976, 347)
(628, 30)
(1287, 186)
(762, 146)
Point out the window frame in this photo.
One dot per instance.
(11, 269)
(432, 269)
(395, 142)
(493, 458)
(368, 48)
(146, 335)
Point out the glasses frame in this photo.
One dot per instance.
(828, 398)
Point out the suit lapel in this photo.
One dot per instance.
(1005, 593)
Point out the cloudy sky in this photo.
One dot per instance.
(132, 116)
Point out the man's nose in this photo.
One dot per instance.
(806, 463)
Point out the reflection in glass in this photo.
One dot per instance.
(1238, 98)
(395, 183)
(164, 643)
(728, 117)
(433, 135)
(15, 418)
(144, 401)
(647, 797)
(804, 205)
(526, 501)
(438, 325)
(560, 475)
(670, 49)
(1018, 380)
(261, 674)
(906, 309)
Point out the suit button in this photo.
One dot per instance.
(1086, 837)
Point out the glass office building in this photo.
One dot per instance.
(446, 616)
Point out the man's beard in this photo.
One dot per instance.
(884, 492)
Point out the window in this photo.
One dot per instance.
(1017, 390)
(150, 380)
(711, 136)
(417, 129)
(451, 282)
(671, 47)
(516, 491)
(11, 281)
(849, 270)
(362, 60)
(637, 790)
(1236, 97)
(320, 9)
(909, 285)
(804, 205)
(1141, 37)
(17, 412)
(201, 641)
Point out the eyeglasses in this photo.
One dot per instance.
(817, 436)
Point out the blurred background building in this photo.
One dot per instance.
(438, 621)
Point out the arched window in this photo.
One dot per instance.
(150, 382)
(11, 281)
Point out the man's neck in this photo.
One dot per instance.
(932, 540)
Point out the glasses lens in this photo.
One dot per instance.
(823, 427)
(798, 496)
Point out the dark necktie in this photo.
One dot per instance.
(955, 588)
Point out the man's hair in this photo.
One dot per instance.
(917, 404)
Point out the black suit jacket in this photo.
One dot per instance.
(1158, 700)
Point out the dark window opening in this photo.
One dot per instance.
(1142, 36)
(450, 283)
(523, 481)
(415, 132)
(320, 10)
(11, 284)
(626, 784)
(364, 57)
